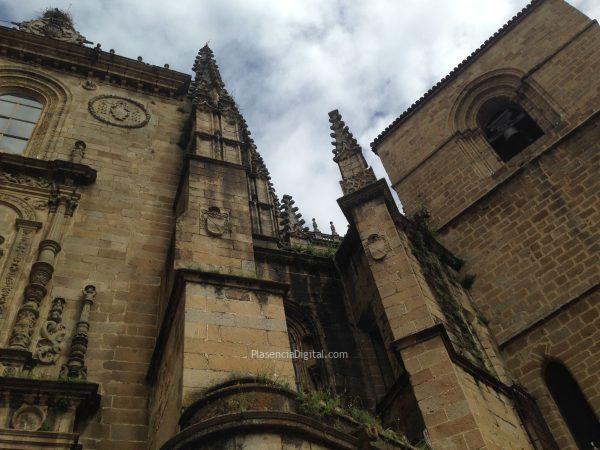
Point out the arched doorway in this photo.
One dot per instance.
(576, 411)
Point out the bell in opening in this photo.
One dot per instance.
(507, 127)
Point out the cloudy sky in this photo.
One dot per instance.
(288, 63)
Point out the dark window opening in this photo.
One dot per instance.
(576, 411)
(375, 356)
(507, 127)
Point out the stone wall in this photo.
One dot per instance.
(223, 325)
(531, 243)
(541, 53)
(117, 240)
(570, 336)
(316, 300)
(525, 228)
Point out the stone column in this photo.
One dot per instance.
(75, 366)
(41, 272)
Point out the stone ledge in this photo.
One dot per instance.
(57, 170)
(262, 421)
(25, 440)
(235, 281)
(92, 62)
(82, 390)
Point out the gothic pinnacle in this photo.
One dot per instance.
(344, 143)
(208, 87)
(349, 157)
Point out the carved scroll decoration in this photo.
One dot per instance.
(52, 334)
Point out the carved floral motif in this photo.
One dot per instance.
(118, 111)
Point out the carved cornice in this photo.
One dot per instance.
(41, 173)
(86, 392)
(92, 63)
(293, 258)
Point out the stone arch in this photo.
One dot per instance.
(47, 90)
(21, 207)
(508, 83)
(512, 85)
(303, 335)
(577, 414)
(18, 250)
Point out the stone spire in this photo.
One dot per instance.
(291, 221)
(355, 171)
(55, 24)
(208, 88)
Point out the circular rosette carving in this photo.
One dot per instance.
(118, 111)
(28, 418)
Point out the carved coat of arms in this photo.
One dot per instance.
(377, 246)
(216, 221)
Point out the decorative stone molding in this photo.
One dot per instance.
(52, 334)
(75, 367)
(14, 256)
(216, 221)
(39, 173)
(377, 246)
(26, 180)
(41, 413)
(92, 63)
(118, 111)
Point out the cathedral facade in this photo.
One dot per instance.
(157, 293)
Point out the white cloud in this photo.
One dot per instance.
(288, 63)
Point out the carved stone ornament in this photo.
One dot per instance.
(118, 111)
(28, 418)
(25, 179)
(216, 221)
(55, 24)
(377, 246)
(89, 85)
(358, 181)
(52, 334)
